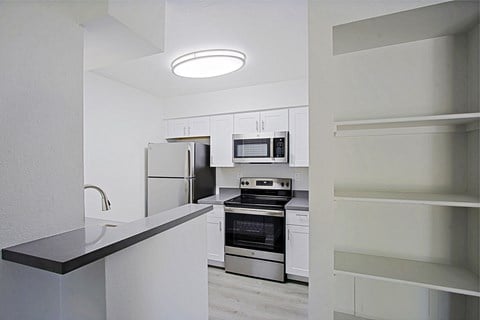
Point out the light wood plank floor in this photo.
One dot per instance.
(233, 297)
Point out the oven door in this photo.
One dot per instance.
(255, 229)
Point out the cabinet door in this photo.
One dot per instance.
(275, 120)
(198, 127)
(246, 122)
(221, 146)
(177, 128)
(299, 141)
(297, 250)
(215, 236)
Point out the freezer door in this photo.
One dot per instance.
(165, 194)
(170, 159)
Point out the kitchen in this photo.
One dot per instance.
(381, 118)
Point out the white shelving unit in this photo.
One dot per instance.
(429, 275)
(458, 122)
(428, 22)
(444, 19)
(452, 200)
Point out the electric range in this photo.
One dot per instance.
(255, 228)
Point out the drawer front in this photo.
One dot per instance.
(297, 217)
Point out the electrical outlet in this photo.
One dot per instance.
(298, 176)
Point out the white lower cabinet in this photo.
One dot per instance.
(296, 249)
(216, 235)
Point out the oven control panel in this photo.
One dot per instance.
(266, 183)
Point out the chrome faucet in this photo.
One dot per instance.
(105, 201)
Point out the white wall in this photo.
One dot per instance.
(41, 137)
(418, 78)
(230, 177)
(265, 96)
(119, 123)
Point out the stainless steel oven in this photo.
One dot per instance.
(265, 147)
(255, 228)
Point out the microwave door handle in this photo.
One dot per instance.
(272, 142)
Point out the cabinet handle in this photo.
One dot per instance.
(301, 215)
(184, 131)
(189, 130)
(263, 125)
(220, 225)
(288, 234)
(257, 125)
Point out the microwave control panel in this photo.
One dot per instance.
(278, 147)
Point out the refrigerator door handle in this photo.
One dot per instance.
(190, 181)
(190, 173)
(187, 163)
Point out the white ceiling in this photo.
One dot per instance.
(272, 33)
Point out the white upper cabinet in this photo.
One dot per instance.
(199, 127)
(275, 120)
(265, 121)
(221, 146)
(299, 142)
(189, 127)
(220, 129)
(247, 122)
(177, 128)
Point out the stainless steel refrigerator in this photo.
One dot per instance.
(178, 173)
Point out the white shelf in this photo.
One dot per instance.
(450, 200)
(346, 316)
(424, 274)
(432, 21)
(470, 121)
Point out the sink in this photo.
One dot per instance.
(101, 222)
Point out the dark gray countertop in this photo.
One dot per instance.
(71, 250)
(224, 195)
(298, 203)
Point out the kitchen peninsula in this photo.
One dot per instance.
(122, 271)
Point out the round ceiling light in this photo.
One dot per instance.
(208, 63)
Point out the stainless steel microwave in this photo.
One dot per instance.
(265, 147)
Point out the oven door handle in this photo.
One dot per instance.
(257, 212)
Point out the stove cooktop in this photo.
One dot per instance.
(261, 202)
